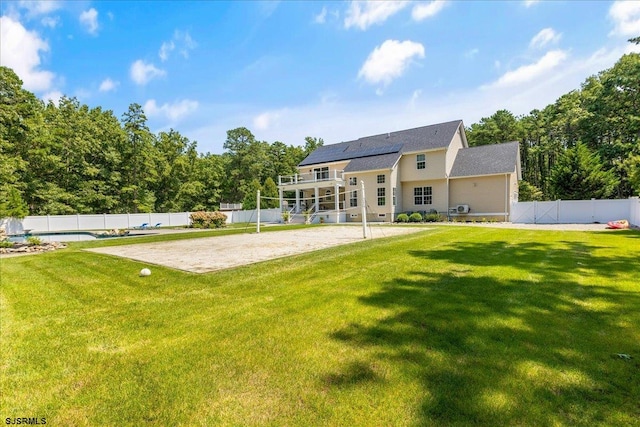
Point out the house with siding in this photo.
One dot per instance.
(426, 169)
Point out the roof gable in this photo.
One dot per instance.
(486, 160)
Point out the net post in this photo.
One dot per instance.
(364, 211)
(258, 209)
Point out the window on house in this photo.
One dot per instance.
(394, 196)
(380, 179)
(423, 195)
(321, 173)
(327, 195)
(353, 180)
(381, 196)
(353, 199)
(421, 161)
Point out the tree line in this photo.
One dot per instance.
(585, 145)
(69, 158)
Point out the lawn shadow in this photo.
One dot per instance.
(537, 257)
(356, 373)
(504, 351)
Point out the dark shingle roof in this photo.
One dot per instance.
(422, 138)
(384, 161)
(486, 160)
(348, 151)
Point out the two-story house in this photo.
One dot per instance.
(425, 169)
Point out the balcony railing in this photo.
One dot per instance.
(318, 176)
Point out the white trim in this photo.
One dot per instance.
(463, 135)
(480, 176)
(395, 165)
(479, 214)
(427, 150)
(325, 163)
(366, 171)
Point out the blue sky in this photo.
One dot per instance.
(290, 69)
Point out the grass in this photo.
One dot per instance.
(451, 326)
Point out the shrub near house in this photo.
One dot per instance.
(208, 219)
(403, 217)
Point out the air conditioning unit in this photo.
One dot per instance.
(462, 209)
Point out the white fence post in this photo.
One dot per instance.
(364, 211)
(258, 208)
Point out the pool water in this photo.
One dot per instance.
(55, 237)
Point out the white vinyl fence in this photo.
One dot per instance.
(576, 211)
(122, 221)
(93, 222)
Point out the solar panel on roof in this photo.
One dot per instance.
(324, 156)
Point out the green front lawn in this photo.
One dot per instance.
(450, 326)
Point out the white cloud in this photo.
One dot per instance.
(423, 11)
(173, 112)
(529, 3)
(470, 54)
(186, 43)
(181, 41)
(21, 52)
(268, 7)
(165, 49)
(528, 73)
(544, 37)
(328, 96)
(389, 60)
(364, 14)
(108, 85)
(141, 73)
(89, 20)
(632, 48)
(626, 18)
(82, 94)
(41, 7)
(49, 21)
(415, 96)
(53, 96)
(266, 120)
(321, 17)
(337, 119)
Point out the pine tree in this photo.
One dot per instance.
(579, 175)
